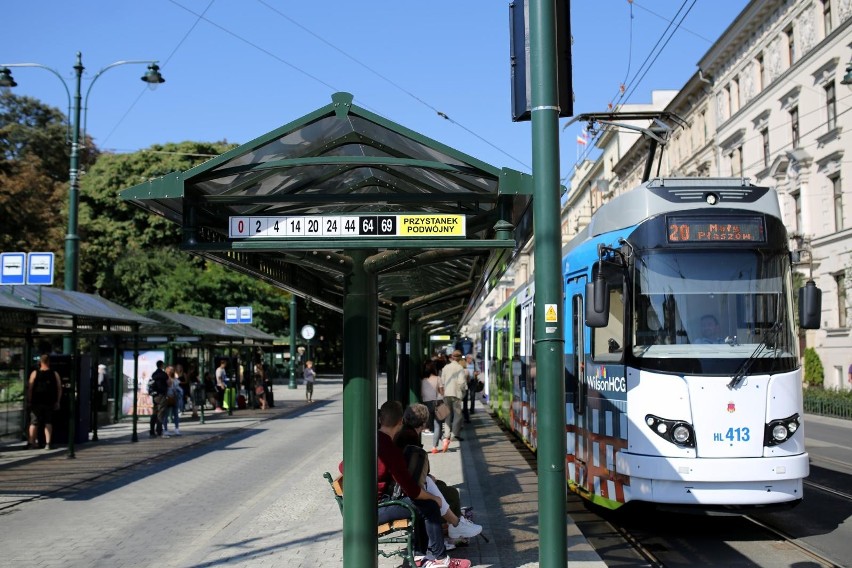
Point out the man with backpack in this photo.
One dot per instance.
(44, 391)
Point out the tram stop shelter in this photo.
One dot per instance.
(30, 312)
(364, 216)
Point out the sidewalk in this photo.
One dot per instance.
(490, 473)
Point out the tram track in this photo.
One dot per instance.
(654, 538)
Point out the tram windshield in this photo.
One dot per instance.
(709, 311)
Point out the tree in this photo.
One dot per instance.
(34, 161)
(814, 372)
(133, 257)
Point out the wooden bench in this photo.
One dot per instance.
(391, 534)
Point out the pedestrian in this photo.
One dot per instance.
(260, 385)
(211, 392)
(310, 377)
(158, 387)
(174, 402)
(414, 421)
(432, 394)
(225, 386)
(44, 391)
(472, 386)
(392, 469)
(454, 378)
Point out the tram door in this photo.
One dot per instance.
(527, 376)
(576, 387)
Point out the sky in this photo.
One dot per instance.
(237, 69)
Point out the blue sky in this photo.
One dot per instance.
(250, 66)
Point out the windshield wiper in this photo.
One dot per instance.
(740, 375)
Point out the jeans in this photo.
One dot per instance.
(428, 531)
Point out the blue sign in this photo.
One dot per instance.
(40, 268)
(245, 314)
(12, 268)
(232, 315)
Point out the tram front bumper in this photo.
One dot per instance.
(718, 481)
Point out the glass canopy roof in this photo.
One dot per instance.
(344, 160)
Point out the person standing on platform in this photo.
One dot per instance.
(310, 377)
(472, 386)
(44, 391)
(225, 385)
(432, 391)
(454, 377)
(158, 387)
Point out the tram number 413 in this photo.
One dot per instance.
(733, 435)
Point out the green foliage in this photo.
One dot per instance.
(814, 373)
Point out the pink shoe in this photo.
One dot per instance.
(434, 450)
(446, 444)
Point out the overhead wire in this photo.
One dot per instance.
(163, 66)
(393, 83)
(623, 95)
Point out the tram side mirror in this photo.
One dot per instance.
(810, 305)
(597, 302)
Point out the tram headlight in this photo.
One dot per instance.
(680, 434)
(779, 431)
(677, 432)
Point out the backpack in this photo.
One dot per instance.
(418, 466)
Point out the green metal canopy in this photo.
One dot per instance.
(342, 160)
(208, 329)
(55, 310)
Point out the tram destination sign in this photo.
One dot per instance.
(330, 226)
(722, 228)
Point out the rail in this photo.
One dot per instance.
(828, 403)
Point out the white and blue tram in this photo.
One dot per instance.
(683, 375)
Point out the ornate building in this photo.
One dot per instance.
(770, 102)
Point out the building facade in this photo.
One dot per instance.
(770, 102)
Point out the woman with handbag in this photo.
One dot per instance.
(432, 394)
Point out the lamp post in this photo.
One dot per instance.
(72, 240)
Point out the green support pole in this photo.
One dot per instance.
(392, 364)
(360, 516)
(415, 361)
(404, 375)
(72, 400)
(292, 382)
(134, 437)
(117, 389)
(549, 339)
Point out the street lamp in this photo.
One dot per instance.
(72, 241)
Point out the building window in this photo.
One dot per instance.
(730, 101)
(837, 191)
(791, 45)
(703, 120)
(761, 73)
(794, 125)
(735, 93)
(797, 204)
(831, 106)
(736, 157)
(840, 281)
(764, 136)
(826, 16)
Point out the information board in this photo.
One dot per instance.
(329, 226)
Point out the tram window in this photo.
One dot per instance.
(608, 342)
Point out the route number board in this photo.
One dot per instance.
(322, 226)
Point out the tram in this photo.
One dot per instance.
(682, 370)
